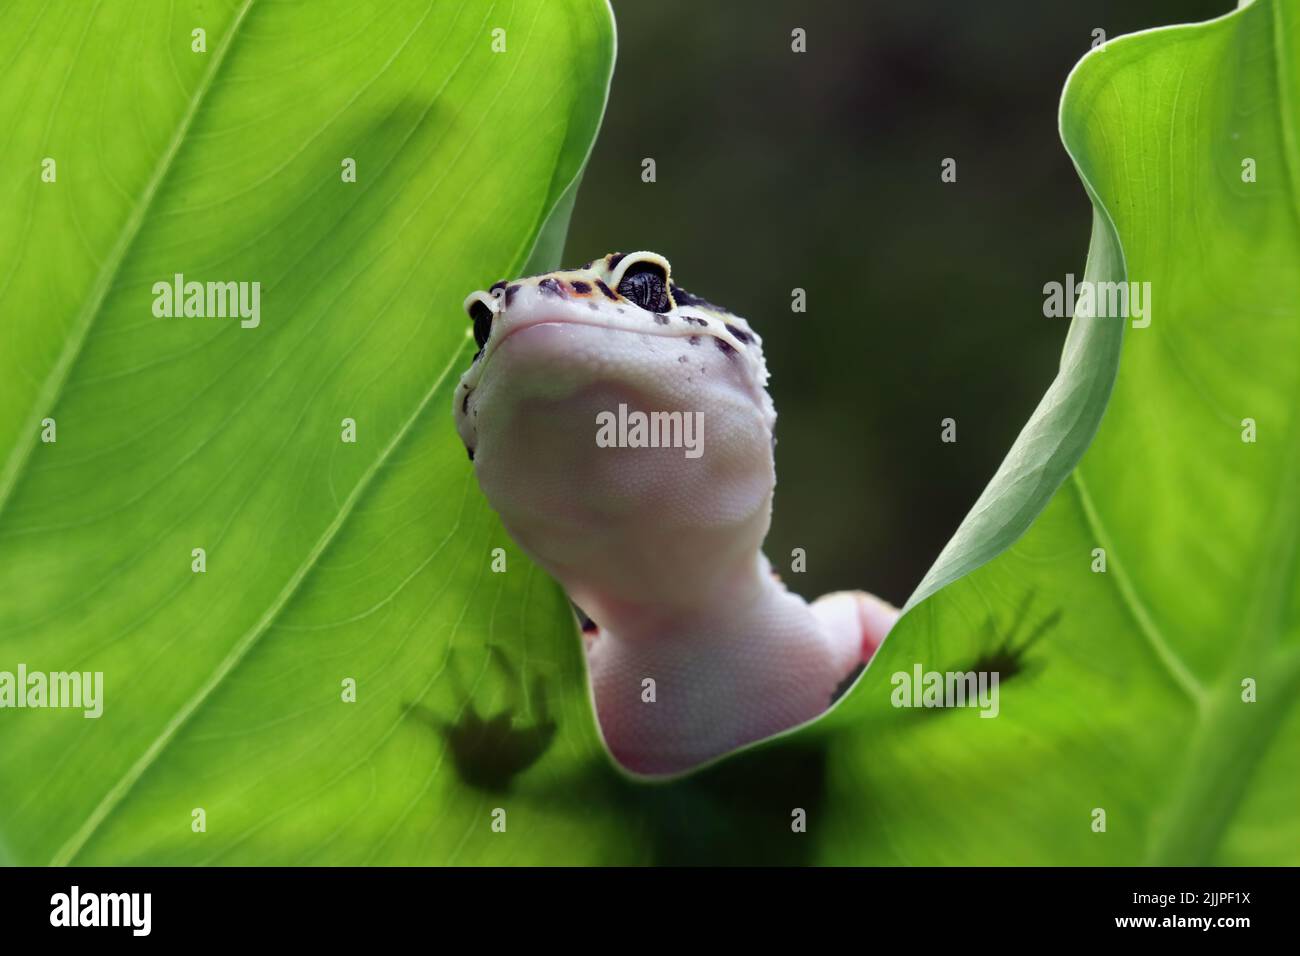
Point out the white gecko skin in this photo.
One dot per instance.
(661, 550)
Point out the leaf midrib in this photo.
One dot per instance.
(75, 843)
(74, 342)
(1187, 835)
(1174, 665)
(93, 307)
(113, 797)
(118, 792)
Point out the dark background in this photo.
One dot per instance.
(821, 170)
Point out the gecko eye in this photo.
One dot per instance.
(482, 316)
(646, 285)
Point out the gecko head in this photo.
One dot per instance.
(607, 396)
(616, 317)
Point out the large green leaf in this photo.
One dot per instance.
(1121, 690)
(1124, 688)
(326, 560)
(374, 561)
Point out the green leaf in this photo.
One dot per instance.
(374, 561)
(325, 560)
(1123, 690)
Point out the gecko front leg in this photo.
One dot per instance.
(773, 662)
(855, 620)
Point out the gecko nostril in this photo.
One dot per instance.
(740, 334)
(552, 286)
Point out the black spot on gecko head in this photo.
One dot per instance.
(606, 290)
(497, 285)
(682, 297)
(581, 288)
(464, 405)
(694, 340)
(470, 452)
(510, 294)
(724, 346)
(614, 258)
(695, 320)
(661, 318)
(740, 334)
(552, 286)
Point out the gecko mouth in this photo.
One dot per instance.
(662, 330)
(525, 326)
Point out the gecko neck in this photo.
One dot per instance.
(748, 585)
(675, 690)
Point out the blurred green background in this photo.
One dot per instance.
(820, 170)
